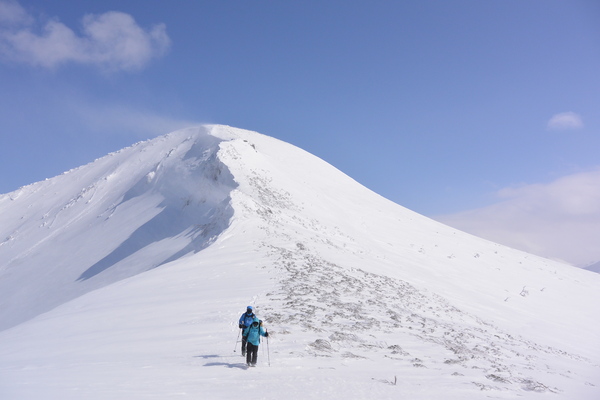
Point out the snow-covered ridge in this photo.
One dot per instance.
(162, 198)
(364, 298)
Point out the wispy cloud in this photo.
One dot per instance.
(565, 121)
(112, 41)
(559, 220)
(12, 13)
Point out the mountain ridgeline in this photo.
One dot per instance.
(230, 217)
(163, 198)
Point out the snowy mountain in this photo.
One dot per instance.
(125, 278)
(594, 267)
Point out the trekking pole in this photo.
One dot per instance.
(268, 352)
(236, 341)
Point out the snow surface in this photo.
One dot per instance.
(124, 279)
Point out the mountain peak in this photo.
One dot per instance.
(189, 227)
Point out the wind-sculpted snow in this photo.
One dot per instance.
(195, 203)
(157, 200)
(352, 313)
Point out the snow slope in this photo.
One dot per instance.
(594, 267)
(124, 279)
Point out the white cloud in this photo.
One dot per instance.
(12, 13)
(112, 40)
(559, 220)
(565, 121)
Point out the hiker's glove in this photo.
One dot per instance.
(241, 326)
(266, 334)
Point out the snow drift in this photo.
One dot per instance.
(125, 278)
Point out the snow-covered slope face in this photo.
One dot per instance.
(126, 213)
(315, 214)
(354, 289)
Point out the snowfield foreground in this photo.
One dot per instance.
(125, 278)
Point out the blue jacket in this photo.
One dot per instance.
(254, 332)
(247, 319)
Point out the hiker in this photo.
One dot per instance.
(252, 335)
(245, 321)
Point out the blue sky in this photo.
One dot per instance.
(444, 107)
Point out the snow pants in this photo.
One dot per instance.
(251, 354)
(244, 341)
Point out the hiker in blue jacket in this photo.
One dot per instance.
(253, 334)
(245, 321)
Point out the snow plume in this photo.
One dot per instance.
(112, 41)
(100, 119)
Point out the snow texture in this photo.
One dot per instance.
(125, 278)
